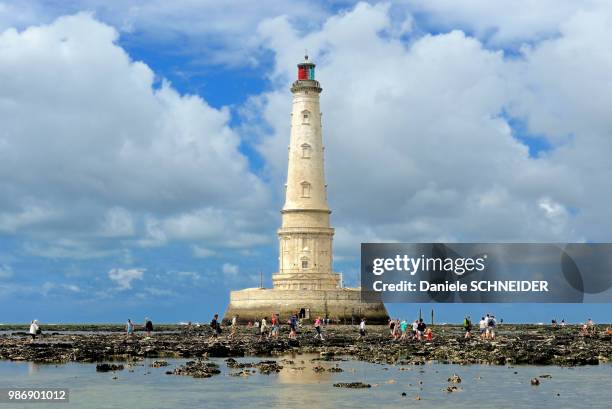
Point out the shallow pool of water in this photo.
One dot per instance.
(141, 386)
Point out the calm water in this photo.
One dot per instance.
(483, 386)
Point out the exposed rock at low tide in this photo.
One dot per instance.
(352, 385)
(268, 367)
(197, 369)
(454, 379)
(108, 367)
(265, 367)
(232, 363)
(515, 344)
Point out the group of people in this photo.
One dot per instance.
(399, 330)
(130, 327)
(554, 323)
(270, 329)
(35, 329)
(402, 330)
(588, 328)
(487, 326)
(266, 328)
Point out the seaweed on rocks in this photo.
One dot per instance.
(268, 367)
(454, 379)
(197, 369)
(515, 344)
(352, 385)
(109, 367)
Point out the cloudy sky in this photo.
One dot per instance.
(143, 144)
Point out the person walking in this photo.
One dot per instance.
(404, 329)
(317, 326)
(491, 327)
(234, 326)
(129, 328)
(214, 325)
(392, 327)
(421, 327)
(487, 326)
(263, 328)
(34, 330)
(362, 328)
(482, 325)
(591, 326)
(396, 330)
(293, 326)
(148, 326)
(467, 326)
(275, 326)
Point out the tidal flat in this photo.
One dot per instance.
(307, 380)
(184, 367)
(514, 345)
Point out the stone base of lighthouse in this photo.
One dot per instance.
(341, 305)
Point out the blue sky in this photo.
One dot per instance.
(143, 150)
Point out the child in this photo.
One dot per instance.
(317, 325)
(428, 334)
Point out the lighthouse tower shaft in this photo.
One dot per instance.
(305, 237)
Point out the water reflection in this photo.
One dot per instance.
(33, 368)
(302, 370)
(144, 387)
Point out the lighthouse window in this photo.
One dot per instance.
(305, 117)
(304, 264)
(305, 189)
(305, 151)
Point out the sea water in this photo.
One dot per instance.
(482, 386)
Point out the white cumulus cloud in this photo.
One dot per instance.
(230, 269)
(420, 144)
(93, 146)
(124, 277)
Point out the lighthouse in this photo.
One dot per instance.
(305, 282)
(305, 236)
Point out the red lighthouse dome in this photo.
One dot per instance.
(306, 70)
(306, 78)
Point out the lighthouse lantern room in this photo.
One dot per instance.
(306, 70)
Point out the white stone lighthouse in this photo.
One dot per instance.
(305, 237)
(305, 282)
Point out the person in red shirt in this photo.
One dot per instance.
(317, 325)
